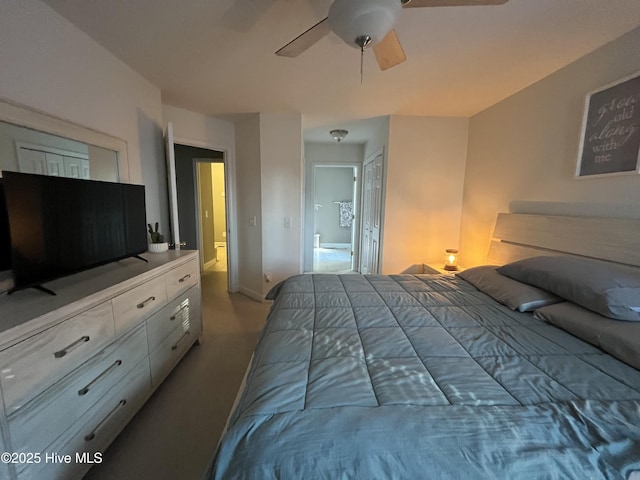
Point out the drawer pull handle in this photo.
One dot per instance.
(144, 304)
(85, 390)
(90, 436)
(186, 334)
(175, 315)
(188, 275)
(65, 350)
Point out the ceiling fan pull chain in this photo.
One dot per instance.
(363, 42)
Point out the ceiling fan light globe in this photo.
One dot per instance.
(350, 19)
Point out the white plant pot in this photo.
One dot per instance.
(158, 247)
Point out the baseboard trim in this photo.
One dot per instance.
(251, 294)
(335, 245)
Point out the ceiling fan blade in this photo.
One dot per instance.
(305, 40)
(452, 3)
(389, 52)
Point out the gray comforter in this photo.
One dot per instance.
(418, 377)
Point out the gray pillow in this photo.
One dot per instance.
(619, 339)
(509, 292)
(610, 289)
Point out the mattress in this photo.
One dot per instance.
(423, 376)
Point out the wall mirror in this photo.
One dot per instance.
(35, 142)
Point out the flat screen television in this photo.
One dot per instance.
(59, 226)
(5, 239)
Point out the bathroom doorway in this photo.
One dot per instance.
(212, 214)
(334, 218)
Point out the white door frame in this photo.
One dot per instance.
(307, 238)
(170, 155)
(229, 160)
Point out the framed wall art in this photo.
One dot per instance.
(610, 140)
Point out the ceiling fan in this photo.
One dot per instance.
(364, 23)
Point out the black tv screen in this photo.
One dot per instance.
(59, 226)
(5, 239)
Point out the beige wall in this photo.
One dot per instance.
(50, 65)
(195, 129)
(523, 151)
(247, 139)
(379, 140)
(423, 200)
(281, 190)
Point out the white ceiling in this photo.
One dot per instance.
(217, 56)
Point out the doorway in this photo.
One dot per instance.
(212, 214)
(201, 204)
(334, 213)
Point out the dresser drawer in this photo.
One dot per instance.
(66, 401)
(178, 314)
(33, 365)
(138, 303)
(4, 466)
(182, 278)
(163, 358)
(86, 440)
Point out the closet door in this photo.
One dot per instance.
(55, 165)
(45, 160)
(76, 168)
(371, 216)
(32, 161)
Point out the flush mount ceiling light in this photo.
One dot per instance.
(363, 21)
(338, 134)
(360, 23)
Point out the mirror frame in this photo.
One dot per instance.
(28, 117)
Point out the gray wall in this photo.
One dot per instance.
(332, 184)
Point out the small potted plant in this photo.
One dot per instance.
(157, 245)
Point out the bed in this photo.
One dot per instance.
(525, 370)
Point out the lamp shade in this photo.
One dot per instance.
(451, 259)
(350, 19)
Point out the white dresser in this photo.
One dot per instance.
(75, 367)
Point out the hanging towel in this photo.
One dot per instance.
(346, 214)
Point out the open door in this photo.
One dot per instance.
(171, 184)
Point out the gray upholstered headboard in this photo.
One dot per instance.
(519, 236)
